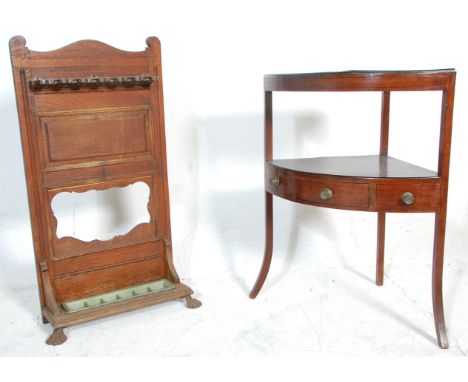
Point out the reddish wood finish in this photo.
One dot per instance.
(66, 137)
(102, 280)
(382, 168)
(69, 247)
(119, 255)
(345, 194)
(371, 189)
(268, 140)
(384, 131)
(441, 216)
(377, 183)
(91, 118)
(361, 81)
(427, 197)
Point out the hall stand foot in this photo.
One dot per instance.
(57, 337)
(192, 303)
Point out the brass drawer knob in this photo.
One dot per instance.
(326, 194)
(408, 198)
(275, 181)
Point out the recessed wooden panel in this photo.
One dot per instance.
(108, 279)
(102, 259)
(72, 174)
(110, 133)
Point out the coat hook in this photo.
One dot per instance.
(92, 82)
(75, 83)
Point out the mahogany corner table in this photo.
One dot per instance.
(375, 183)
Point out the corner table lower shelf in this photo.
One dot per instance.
(377, 183)
(374, 183)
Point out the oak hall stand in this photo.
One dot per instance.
(376, 183)
(92, 118)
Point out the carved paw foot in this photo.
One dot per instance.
(192, 303)
(57, 337)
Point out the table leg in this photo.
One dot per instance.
(268, 246)
(437, 272)
(379, 272)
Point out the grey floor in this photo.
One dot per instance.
(315, 304)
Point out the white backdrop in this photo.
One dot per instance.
(214, 55)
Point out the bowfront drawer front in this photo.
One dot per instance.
(316, 190)
(408, 198)
(333, 194)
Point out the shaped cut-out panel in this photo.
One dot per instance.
(92, 135)
(101, 216)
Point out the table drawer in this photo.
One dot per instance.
(333, 194)
(418, 197)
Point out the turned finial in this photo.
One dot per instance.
(17, 45)
(153, 42)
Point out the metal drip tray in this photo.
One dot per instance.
(118, 295)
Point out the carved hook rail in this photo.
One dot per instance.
(92, 82)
